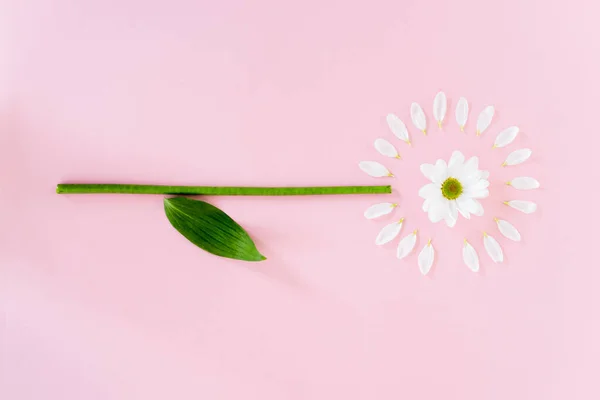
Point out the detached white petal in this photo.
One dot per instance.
(406, 245)
(374, 169)
(485, 119)
(378, 210)
(470, 257)
(426, 257)
(462, 112)
(524, 206)
(517, 157)
(398, 128)
(386, 148)
(439, 108)
(508, 230)
(506, 137)
(524, 183)
(418, 117)
(389, 232)
(493, 248)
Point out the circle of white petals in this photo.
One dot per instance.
(474, 183)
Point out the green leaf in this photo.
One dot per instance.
(211, 229)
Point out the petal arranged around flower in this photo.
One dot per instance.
(493, 248)
(484, 119)
(386, 148)
(418, 117)
(439, 107)
(389, 232)
(374, 169)
(524, 206)
(524, 183)
(398, 128)
(517, 157)
(470, 257)
(406, 245)
(507, 230)
(506, 137)
(426, 258)
(462, 113)
(378, 210)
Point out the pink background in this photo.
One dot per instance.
(102, 299)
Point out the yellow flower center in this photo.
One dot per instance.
(452, 189)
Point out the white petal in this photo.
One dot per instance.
(469, 205)
(378, 210)
(428, 170)
(507, 136)
(470, 257)
(439, 108)
(453, 215)
(477, 190)
(484, 174)
(430, 190)
(493, 248)
(418, 117)
(462, 112)
(374, 169)
(524, 183)
(465, 213)
(386, 148)
(398, 127)
(389, 232)
(440, 172)
(524, 206)
(426, 257)
(477, 208)
(439, 209)
(457, 158)
(470, 168)
(478, 185)
(426, 205)
(485, 119)
(508, 230)
(406, 245)
(517, 157)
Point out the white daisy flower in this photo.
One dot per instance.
(455, 187)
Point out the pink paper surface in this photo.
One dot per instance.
(102, 299)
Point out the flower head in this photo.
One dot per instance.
(455, 187)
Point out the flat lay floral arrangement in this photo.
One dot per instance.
(456, 186)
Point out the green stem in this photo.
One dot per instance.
(71, 188)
